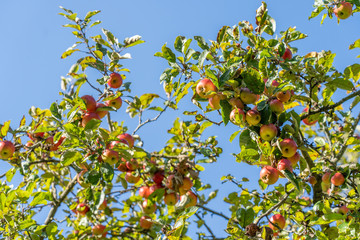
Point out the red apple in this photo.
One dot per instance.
(338, 179)
(158, 177)
(128, 138)
(206, 88)
(99, 229)
(145, 222)
(131, 177)
(122, 167)
(294, 159)
(237, 116)
(282, 165)
(343, 10)
(288, 147)
(110, 156)
(278, 220)
(36, 136)
(276, 106)
(148, 207)
(144, 192)
(307, 121)
(287, 54)
(343, 210)
(312, 180)
(253, 117)
(283, 96)
(268, 132)
(82, 209)
(214, 101)
(170, 198)
(100, 113)
(116, 103)
(247, 96)
(115, 80)
(192, 199)
(132, 165)
(170, 181)
(7, 149)
(87, 117)
(274, 84)
(187, 183)
(236, 103)
(326, 177)
(154, 187)
(89, 102)
(269, 175)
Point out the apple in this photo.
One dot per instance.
(187, 184)
(294, 159)
(130, 177)
(110, 156)
(343, 210)
(307, 121)
(214, 101)
(144, 192)
(268, 132)
(338, 179)
(158, 176)
(326, 177)
(170, 181)
(278, 220)
(283, 96)
(99, 112)
(80, 179)
(116, 103)
(192, 199)
(82, 209)
(128, 138)
(115, 80)
(54, 147)
(276, 106)
(237, 116)
(269, 175)
(132, 165)
(170, 198)
(122, 167)
(7, 149)
(87, 117)
(343, 10)
(99, 229)
(236, 103)
(288, 147)
(284, 164)
(247, 96)
(206, 88)
(312, 180)
(103, 205)
(287, 54)
(90, 103)
(274, 84)
(253, 117)
(145, 222)
(148, 207)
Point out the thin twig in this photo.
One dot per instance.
(206, 226)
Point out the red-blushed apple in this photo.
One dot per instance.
(268, 132)
(132, 165)
(237, 116)
(170, 199)
(236, 103)
(187, 183)
(90, 103)
(116, 103)
(283, 96)
(7, 150)
(284, 164)
(128, 138)
(294, 159)
(312, 180)
(276, 106)
(158, 176)
(269, 175)
(214, 101)
(122, 167)
(115, 80)
(326, 177)
(338, 179)
(80, 179)
(277, 220)
(110, 156)
(99, 112)
(132, 177)
(206, 88)
(145, 222)
(87, 117)
(274, 84)
(56, 145)
(247, 96)
(253, 117)
(343, 10)
(288, 147)
(103, 205)
(28, 145)
(148, 206)
(99, 229)
(287, 54)
(82, 209)
(36, 136)
(343, 210)
(192, 199)
(144, 192)
(307, 121)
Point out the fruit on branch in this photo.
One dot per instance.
(132, 165)
(153, 188)
(236, 103)
(343, 210)
(338, 179)
(36, 136)
(110, 156)
(274, 84)
(132, 177)
(99, 229)
(283, 96)
(307, 121)
(247, 96)
(170, 198)
(158, 176)
(214, 101)
(191, 199)
(343, 10)
(288, 147)
(145, 222)
(276, 106)
(237, 116)
(287, 54)
(277, 220)
(116, 103)
(294, 159)
(115, 80)
(284, 164)
(253, 117)
(269, 175)
(54, 147)
(89, 102)
(122, 167)
(148, 206)
(144, 192)
(268, 132)
(7, 149)
(128, 138)
(326, 177)
(99, 112)
(82, 209)
(206, 88)
(312, 180)
(170, 182)
(87, 117)
(187, 184)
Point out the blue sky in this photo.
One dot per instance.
(32, 40)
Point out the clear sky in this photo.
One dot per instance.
(32, 40)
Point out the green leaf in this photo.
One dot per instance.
(168, 54)
(291, 177)
(109, 36)
(225, 111)
(68, 53)
(246, 140)
(54, 109)
(201, 43)
(10, 174)
(341, 83)
(179, 43)
(92, 176)
(202, 58)
(245, 216)
(93, 124)
(253, 80)
(107, 172)
(26, 224)
(90, 14)
(70, 156)
(233, 135)
(356, 44)
(224, 77)
(5, 128)
(316, 12)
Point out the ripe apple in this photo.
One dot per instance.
(287, 54)
(36, 136)
(148, 207)
(145, 222)
(278, 220)
(253, 117)
(187, 184)
(99, 229)
(132, 165)
(154, 187)
(326, 177)
(192, 199)
(7, 149)
(283, 96)
(237, 116)
(144, 192)
(128, 138)
(158, 176)
(214, 101)
(206, 88)
(343, 10)
(87, 117)
(247, 96)
(99, 112)
(170, 198)
(274, 84)
(170, 181)
(288, 147)
(122, 167)
(115, 80)
(268, 132)
(236, 103)
(312, 180)
(276, 106)
(110, 156)
(116, 103)
(343, 210)
(269, 175)
(282, 165)
(130, 177)
(294, 159)
(82, 209)
(338, 179)
(307, 121)
(90, 103)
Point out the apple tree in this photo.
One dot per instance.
(91, 177)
